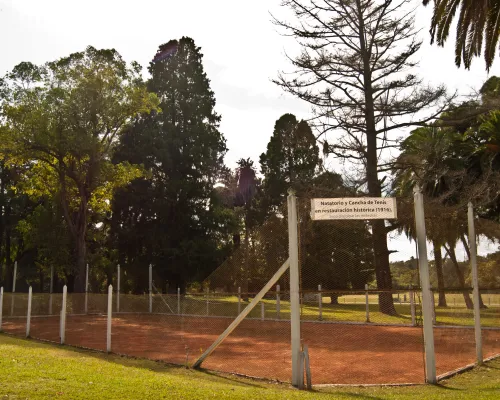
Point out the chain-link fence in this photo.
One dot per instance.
(361, 313)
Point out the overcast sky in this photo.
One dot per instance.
(242, 51)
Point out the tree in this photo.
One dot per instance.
(172, 217)
(66, 116)
(291, 159)
(478, 23)
(353, 70)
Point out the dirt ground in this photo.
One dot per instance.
(339, 353)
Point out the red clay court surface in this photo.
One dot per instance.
(339, 353)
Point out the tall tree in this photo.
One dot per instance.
(478, 24)
(354, 71)
(66, 116)
(173, 217)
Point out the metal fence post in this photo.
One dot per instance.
(28, 314)
(239, 300)
(62, 332)
(14, 279)
(367, 303)
(86, 289)
(1, 307)
(475, 284)
(430, 359)
(110, 318)
(294, 288)
(278, 301)
(118, 288)
(150, 288)
(178, 301)
(412, 307)
(51, 288)
(320, 304)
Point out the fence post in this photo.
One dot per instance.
(475, 285)
(1, 307)
(28, 314)
(150, 288)
(118, 288)
(430, 359)
(262, 311)
(110, 318)
(178, 301)
(62, 332)
(320, 304)
(412, 307)
(239, 300)
(207, 311)
(294, 288)
(86, 289)
(14, 278)
(278, 305)
(51, 288)
(367, 303)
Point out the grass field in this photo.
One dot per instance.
(31, 370)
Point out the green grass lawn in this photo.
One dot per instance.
(32, 370)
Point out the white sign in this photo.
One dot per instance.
(353, 208)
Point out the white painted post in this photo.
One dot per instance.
(294, 288)
(150, 288)
(320, 304)
(86, 289)
(28, 314)
(63, 315)
(367, 303)
(207, 311)
(110, 318)
(475, 285)
(412, 307)
(430, 360)
(51, 288)
(1, 307)
(178, 301)
(262, 312)
(14, 279)
(118, 288)
(278, 301)
(239, 300)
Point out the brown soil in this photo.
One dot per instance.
(339, 353)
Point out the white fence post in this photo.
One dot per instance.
(430, 359)
(178, 301)
(110, 317)
(294, 288)
(1, 307)
(28, 314)
(206, 292)
(412, 307)
(118, 288)
(239, 300)
(14, 279)
(86, 289)
(367, 301)
(475, 285)
(150, 288)
(278, 301)
(51, 288)
(320, 304)
(62, 332)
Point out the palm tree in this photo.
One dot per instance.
(478, 23)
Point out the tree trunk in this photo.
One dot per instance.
(460, 276)
(81, 250)
(467, 250)
(438, 260)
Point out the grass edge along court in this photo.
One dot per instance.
(34, 370)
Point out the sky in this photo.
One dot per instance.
(243, 51)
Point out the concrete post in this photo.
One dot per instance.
(430, 360)
(28, 314)
(63, 315)
(110, 318)
(278, 301)
(475, 285)
(14, 279)
(178, 301)
(86, 289)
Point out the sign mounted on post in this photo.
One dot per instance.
(353, 208)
